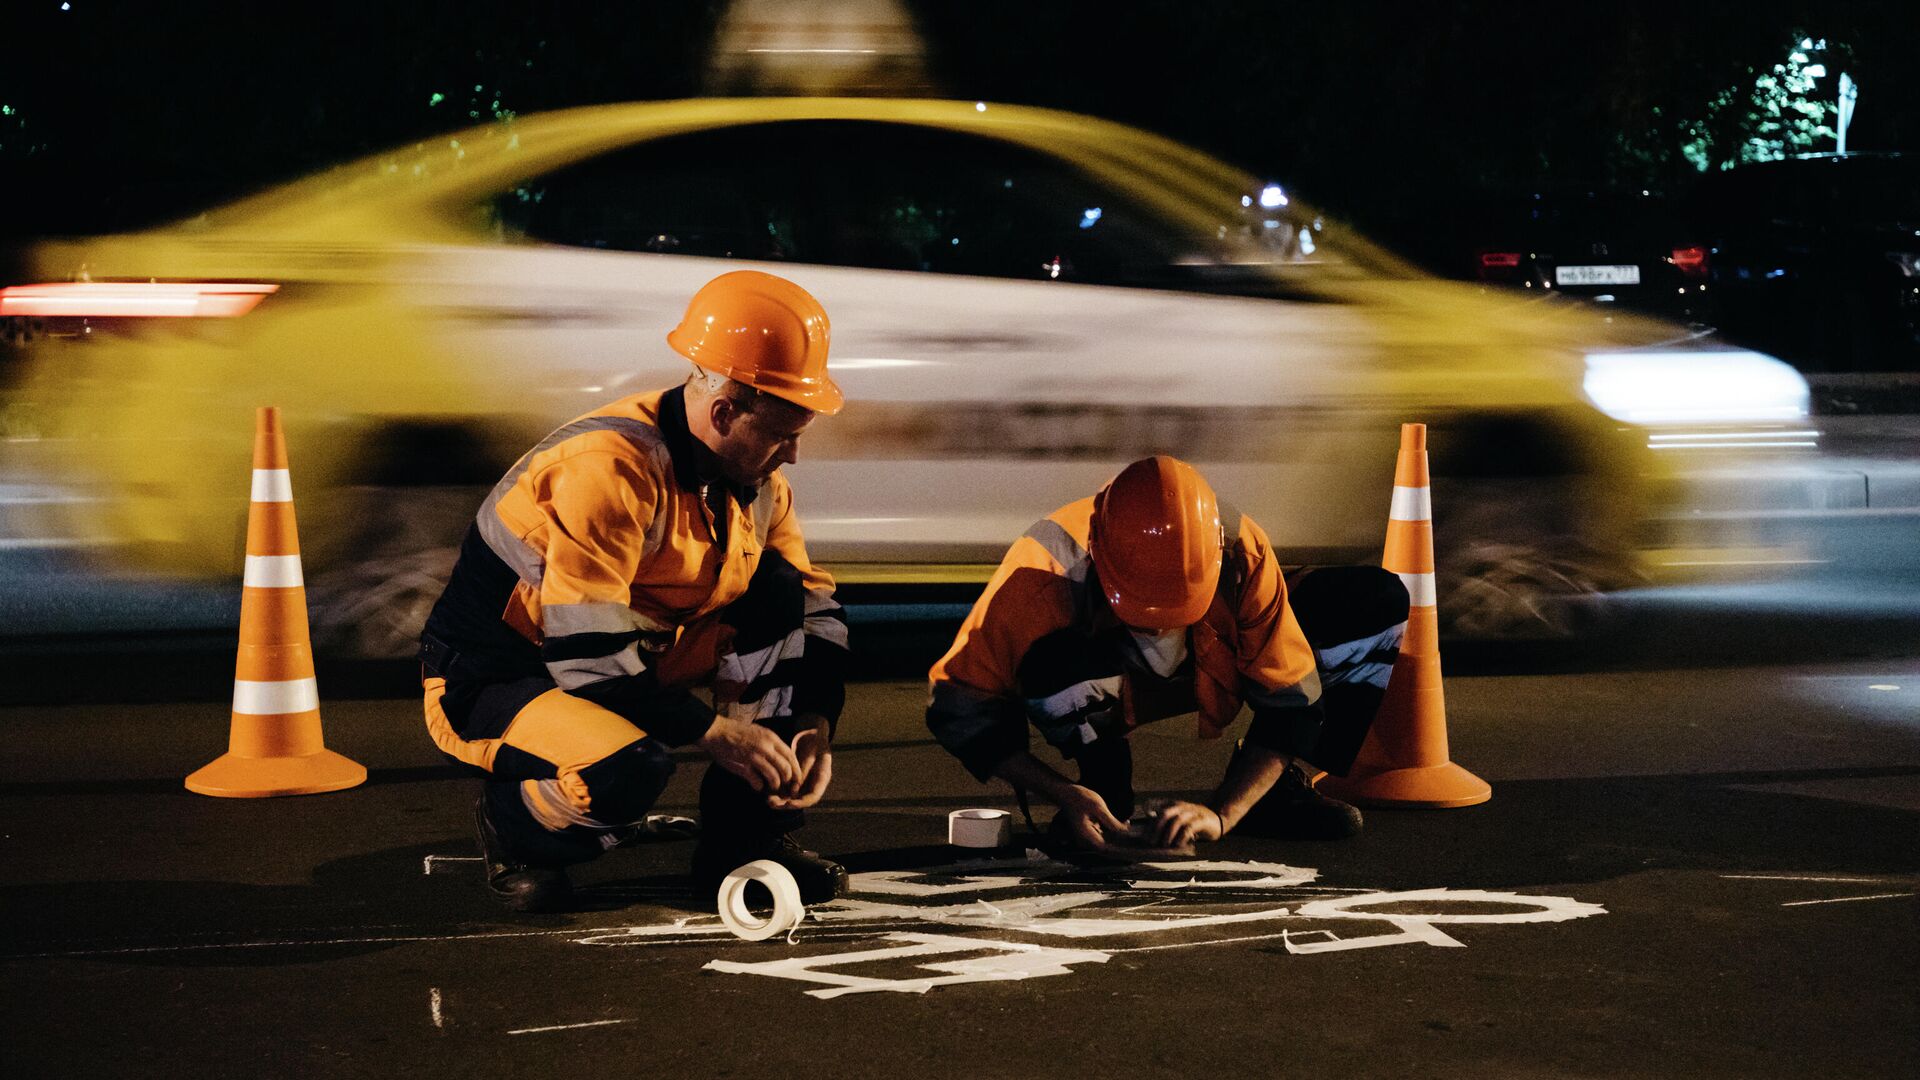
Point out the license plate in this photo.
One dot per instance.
(1596, 275)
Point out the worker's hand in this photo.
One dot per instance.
(1088, 821)
(751, 752)
(1182, 824)
(814, 753)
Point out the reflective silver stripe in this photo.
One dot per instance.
(1072, 699)
(272, 485)
(275, 698)
(1372, 673)
(1348, 652)
(1420, 590)
(775, 702)
(273, 572)
(529, 564)
(1304, 692)
(1411, 504)
(1061, 547)
(828, 630)
(763, 513)
(587, 670)
(553, 802)
(599, 617)
(744, 668)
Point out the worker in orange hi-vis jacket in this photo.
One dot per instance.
(641, 551)
(1153, 599)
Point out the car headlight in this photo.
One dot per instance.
(1660, 389)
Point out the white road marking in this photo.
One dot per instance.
(426, 864)
(567, 1027)
(1809, 877)
(1845, 899)
(433, 1007)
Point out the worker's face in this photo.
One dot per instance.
(753, 445)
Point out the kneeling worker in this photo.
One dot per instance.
(1146, 601)
(645, 549)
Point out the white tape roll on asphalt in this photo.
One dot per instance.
(787, 908)
(979, 828)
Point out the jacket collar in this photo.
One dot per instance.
(694, 466)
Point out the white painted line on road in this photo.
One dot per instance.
(1810, 877)
(567, 1027)
(426, 864)
(433, 1007)
(1845, 899)
(287, 944)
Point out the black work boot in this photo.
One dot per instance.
(820, 879)
(517, 885)
(1293, 810)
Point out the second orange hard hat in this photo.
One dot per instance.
(763, 331)
(1157, 543)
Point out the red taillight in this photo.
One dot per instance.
(133, 299)
(1692, 261)
(1490, 260)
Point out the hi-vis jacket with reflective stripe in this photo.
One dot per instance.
(601, 543)
(1247, 648)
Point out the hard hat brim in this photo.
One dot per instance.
(821, 395)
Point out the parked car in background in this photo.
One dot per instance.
(1022, 301)
(1607, 247)
(1817, 259)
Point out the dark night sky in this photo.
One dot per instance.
(127, 111)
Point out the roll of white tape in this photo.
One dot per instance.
(979, 828)
(787, 908)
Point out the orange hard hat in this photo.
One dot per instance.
(1157, 543)
(764, 331)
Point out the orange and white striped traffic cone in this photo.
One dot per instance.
(275, 747)
(1404, 760)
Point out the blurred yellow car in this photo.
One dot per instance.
(1022, 300)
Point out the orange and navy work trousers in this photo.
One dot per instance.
(566, 778)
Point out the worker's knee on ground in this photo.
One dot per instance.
(1346, 603)
(774, 605)
(624, 785)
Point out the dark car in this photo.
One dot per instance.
(1816, 259)
(1606, 247)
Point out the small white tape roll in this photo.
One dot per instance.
(979, 828)
(787, 908)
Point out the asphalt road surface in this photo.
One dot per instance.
(1698, 871)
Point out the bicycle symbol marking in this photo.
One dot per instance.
(974, 922)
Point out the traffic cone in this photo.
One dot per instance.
(275, 747)
(1404, 759)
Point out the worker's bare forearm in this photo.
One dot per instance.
(1029, 772)
(1250, 775)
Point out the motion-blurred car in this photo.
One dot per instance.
(1022, 301)
(1817, 258)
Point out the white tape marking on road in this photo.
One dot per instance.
(272, 485)
(1411, 504)
(1808, 877)
(566, 1027)
(273, 572)
(1420, 590)
(433, 1007)
(426, 864)
(275, 698)
(1846, 899)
